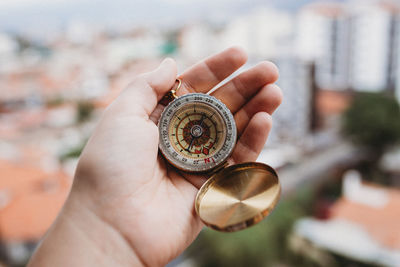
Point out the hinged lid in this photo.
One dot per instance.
(238, 196)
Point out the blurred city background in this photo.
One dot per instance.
(333, 141)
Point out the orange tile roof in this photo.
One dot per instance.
(32, 199)
(381, 223)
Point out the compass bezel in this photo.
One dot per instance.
(175, 157)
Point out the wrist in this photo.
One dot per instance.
(80, 237)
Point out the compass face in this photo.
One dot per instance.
(197, 132)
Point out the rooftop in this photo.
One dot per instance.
(381, 222)
(363, 224)
(30, 200)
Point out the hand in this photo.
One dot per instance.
(125, 194)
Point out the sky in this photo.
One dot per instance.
(25, 15)
(27, 3)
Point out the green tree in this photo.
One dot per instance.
(73, 152)
(85, 110)
(373, 121)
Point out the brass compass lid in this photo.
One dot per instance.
(238, 196)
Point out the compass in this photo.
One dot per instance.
(197, 134)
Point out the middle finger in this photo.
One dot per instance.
(238, 91)
(206, 74)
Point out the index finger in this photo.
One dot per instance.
(206, 74)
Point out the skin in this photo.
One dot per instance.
(127, 206)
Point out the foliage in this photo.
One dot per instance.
(23, 43)
(74, 152)
(373, 121)
(260, 245)
(27, 44)
(53, 102)
(85, 110)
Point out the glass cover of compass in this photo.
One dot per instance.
(197, 133)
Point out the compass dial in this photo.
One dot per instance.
(197, 132)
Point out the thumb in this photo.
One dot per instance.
(163, 78)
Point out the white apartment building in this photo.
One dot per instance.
(292, 120)
(264, 33)
(355, 46)
(322, 37)
(372, 52)
(8, 51)
(396, 56)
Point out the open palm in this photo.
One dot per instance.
(147, 201)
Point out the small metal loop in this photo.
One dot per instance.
(173, 91)
(171, 95)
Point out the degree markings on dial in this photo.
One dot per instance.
(218, 120)
(183, 116)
